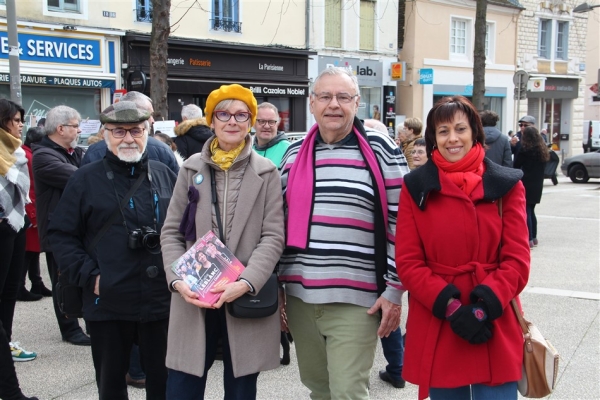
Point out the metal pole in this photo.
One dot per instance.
(13, 52)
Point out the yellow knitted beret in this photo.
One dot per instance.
(230, 92)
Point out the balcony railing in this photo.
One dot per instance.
(219, 24)
(144, 12)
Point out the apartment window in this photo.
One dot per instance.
(490, 41)
(562, 37)
(459, 37)
(367, 25)
(553, 41)
(545, 37)
(226, 16)
(143, 10)
(64, 5)
(333, 23)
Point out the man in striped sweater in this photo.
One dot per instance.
(341, 189)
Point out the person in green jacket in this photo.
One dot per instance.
(268, 142)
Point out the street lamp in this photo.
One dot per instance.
(585, 7)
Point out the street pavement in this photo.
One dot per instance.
(562, 298)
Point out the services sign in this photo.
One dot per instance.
(54, 49)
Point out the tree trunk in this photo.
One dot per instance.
(479, 55)
(161, 10)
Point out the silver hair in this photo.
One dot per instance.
(60, 115)
(224, 104)
(191, 111)
(140, 99)
(375, 125)
(337, 71)
(270, 106)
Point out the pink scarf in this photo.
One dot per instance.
(301, 185)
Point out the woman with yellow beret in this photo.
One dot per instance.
(251, 225)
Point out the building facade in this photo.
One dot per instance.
(551, 49)
(360, 36)
(437, 39)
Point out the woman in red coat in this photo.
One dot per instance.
(32, 243)
(463, 340)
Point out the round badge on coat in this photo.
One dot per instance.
(198, 179)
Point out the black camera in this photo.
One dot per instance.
(146, 238)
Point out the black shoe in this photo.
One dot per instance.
(25, 295)
(385, 376)
(136, 383)
(41, 289)
(78, 339)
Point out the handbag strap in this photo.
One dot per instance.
(213, 189)
(513, 302)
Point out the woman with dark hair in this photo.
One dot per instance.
(32, 242)
(14, 194)
(532, 160)
(462, 254)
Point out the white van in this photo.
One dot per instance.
(591, 136)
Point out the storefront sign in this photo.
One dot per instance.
(54, 49)
(286, 91)
(557, 88)
(136, 81)
(61, 81)
(398, 72)
(368, 72)
(426, 76)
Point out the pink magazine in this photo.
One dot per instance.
(206, 264)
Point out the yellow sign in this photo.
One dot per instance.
(398, 71)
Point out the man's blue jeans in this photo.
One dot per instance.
(507, 391)
(393, 350)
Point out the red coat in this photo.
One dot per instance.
(32, 238)
(452, 239)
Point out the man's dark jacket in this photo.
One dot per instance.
(191, 136)
(132, 281)
(52, 167)
(156, 150)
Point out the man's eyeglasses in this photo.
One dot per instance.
(342, 98)
(76, 126)
(271, 122)
(119, 133)
(522, 125)
(18, 121)
(225, 116)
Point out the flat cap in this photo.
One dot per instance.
(123, 112)
(528, 119)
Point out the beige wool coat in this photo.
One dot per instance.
(256, 237)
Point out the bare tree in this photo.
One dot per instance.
(159, 87)
(479, 55)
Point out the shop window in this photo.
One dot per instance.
(459, 39)
(226, 16)
(64, 5)
(143, 11)
(2, 2)
(367, 25)
(333, 23)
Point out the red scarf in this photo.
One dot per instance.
(465, 173)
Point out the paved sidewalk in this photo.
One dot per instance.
(562, 298)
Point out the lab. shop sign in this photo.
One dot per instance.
(55, 49)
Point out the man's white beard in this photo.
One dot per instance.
(125, 152)
(73, 144)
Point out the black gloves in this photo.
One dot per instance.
(471, 323)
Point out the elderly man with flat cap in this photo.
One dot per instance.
(107, 242)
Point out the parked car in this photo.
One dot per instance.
(582, 167)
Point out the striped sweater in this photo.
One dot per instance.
(338, 265)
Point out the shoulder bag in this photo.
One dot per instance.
(540, 358)
(266, 301)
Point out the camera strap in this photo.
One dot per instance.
(123, 203)
(215, 201)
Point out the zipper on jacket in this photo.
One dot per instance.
(224, 222)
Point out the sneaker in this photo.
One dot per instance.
(19, 354)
